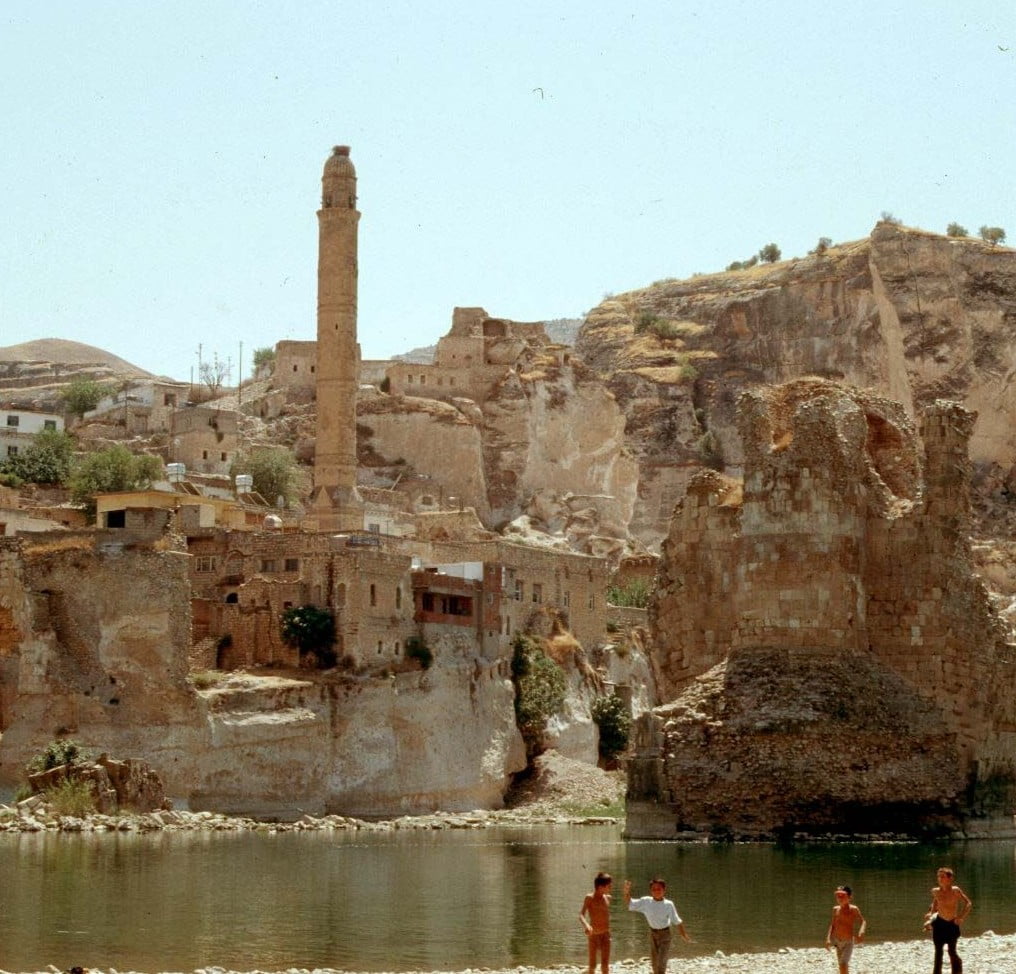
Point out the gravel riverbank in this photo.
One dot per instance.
(987, 954)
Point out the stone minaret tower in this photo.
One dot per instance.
(336, 503)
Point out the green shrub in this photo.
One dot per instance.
(955, 230)
(539, 691)
(71, 797)
(633, 594)
(611, 717)
(646, 321)
(46, 460)
(417, 649)
(769, 254)
(312, 631)
(57, 753)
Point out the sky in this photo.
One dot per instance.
(160, 163)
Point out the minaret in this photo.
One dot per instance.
(336, 502)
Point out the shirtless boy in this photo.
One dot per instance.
(595, 918)
(950, 906)
(845, 928)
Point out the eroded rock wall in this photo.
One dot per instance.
(839, 578)
(913, 316)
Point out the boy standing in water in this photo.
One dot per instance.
(844, 931)
(595, 918)
(950, 906)
(662, 915)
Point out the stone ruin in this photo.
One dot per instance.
(832, 662)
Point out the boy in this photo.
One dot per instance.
(843, 930)
(661, 915)
(595, 918)
(950, 906)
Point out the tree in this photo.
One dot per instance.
(274, 472)
(614, 722)
(312, 631)
(824, 243)
(46, 460)
(539, 691)
(992, 235)
(113, 469)
(215, 374)
(83, 395)
(887, 217)
(769, 254)
(955, 230)
(264, 356)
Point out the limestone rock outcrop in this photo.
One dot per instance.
(914, 316)
(824, 613)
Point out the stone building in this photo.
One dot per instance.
(144, 407)
(472, 358)
(204, 438)
(832, 660)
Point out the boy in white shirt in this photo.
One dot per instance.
(661, 915)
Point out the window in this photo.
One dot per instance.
(398, 596)
(204, 454)
(374, 528)
(567, 599)
(380, 647)
(269, 565)
(292, 565)
(518, 590)
(537, 592)
(13, 420)
(423, 380)
(373, 594)
(451, 380)
(116, 519)
(398, 647)
(169, 399)
(12, 451)
(205, 563)
(592, 601)
(294, 368)
(222, 457)
(409, 379)
(49, 424)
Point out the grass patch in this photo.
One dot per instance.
(205, 679)
(610, 809)
(71, 797)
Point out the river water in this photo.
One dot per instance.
(444, 900)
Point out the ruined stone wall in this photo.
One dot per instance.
(693, 604)
(841, 555)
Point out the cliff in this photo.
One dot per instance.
(914, 316)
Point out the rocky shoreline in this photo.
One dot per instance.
(986, 954)
(33, 815)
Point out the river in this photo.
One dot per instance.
(446, 899)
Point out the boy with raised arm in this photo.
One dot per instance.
(661, 915)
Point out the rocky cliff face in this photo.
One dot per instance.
(912, 315)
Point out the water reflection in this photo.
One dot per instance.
(442, 900)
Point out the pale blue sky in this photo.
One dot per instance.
(161, 162)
